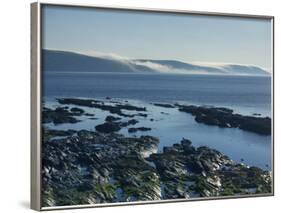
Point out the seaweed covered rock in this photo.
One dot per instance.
(91, 167)
(87, 167)
(187, 172)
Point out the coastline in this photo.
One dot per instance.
(185, 176)
(170, 125)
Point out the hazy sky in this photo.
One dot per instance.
(145, 35)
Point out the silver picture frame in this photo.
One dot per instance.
(36, 101)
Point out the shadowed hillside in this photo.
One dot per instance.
(61, 61)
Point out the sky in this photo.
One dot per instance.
(146, 35)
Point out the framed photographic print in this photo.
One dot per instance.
(139, 106)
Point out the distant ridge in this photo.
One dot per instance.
(54, 60)
(61, 61)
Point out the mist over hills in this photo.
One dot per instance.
(64, 61)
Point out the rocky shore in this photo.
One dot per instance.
(187, 172)
(90, 167)
(103, 166)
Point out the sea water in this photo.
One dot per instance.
(245, 94)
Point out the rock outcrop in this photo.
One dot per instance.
(91, 167)
(225, 118)
(86, 167)
(187, 172)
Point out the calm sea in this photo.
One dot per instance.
(246, 94)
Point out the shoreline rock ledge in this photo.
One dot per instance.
(87, 167)
(225, 118)
(189, 172)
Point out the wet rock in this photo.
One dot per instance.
(113, 109)
(164, 105)
(187, 146)
(93, 167)
(58, 116)
(52, 133)
(131, 130)
(89, 114)
(108, 127)
(185, 171)
(115, 126)
(144, 185)
(77, 111)
(132, 122)
(111, 118)
(78, 102)
(130, 107)
(225, 118)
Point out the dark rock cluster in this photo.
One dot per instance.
(59, 115)
(164, 105)
(186, 172)
(91, 167)
(225, 118)
(116, 109)
(113, 125)
(135, 129)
